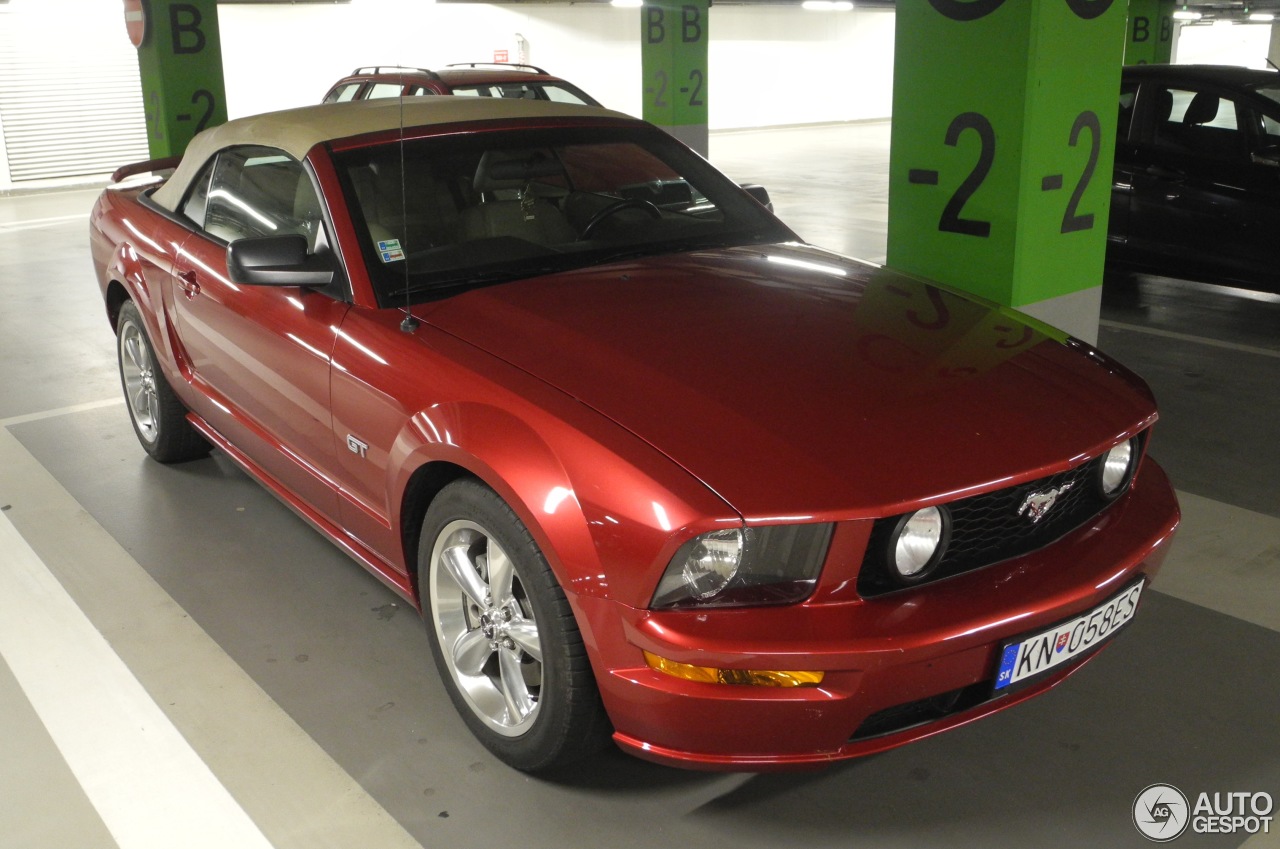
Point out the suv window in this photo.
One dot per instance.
(524, 91)
(343, 93)
(1271, 129)
(380, 90)
(560, 94)
(1197, 122)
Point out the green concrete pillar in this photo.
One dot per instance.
(180, 59)
(673, 56)
(1150, 36)
(1004, 122)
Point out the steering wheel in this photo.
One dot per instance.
(618, 206)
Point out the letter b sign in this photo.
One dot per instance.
(1141, 29)
(184, 24)
(690, 24)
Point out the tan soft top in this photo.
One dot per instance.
(296, 131)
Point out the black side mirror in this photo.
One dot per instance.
(760, 193)
(277, 261)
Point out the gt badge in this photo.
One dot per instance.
(1037, 504)
(356, 446)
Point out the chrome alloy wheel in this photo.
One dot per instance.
(485, 627)
(138, 370)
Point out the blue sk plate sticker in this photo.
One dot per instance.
(390, 250)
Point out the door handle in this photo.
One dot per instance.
(187, 282)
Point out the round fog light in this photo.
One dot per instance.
(918, 544)
(1117, 468)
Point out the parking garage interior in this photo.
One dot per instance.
(185, 662)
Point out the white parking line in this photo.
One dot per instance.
(97, 646)
(1198, 340)
(62, 411)
(39, 223)
(141, 775)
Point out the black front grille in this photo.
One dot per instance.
(994, 526)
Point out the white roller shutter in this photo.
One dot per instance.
(70, 95)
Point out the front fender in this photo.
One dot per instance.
(604, 506)
(607, 517)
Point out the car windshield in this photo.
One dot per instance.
(444, 214)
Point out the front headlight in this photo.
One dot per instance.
(739, 567)
(713, 562)
(1117, 468)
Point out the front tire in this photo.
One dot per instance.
(503, 635)
(159, 418)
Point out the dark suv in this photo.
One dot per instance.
(474, 79)
(1196, 193)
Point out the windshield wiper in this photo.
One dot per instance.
(464, 280)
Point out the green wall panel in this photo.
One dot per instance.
(1149, 37)
(673, 55)
(180, 61)
(1003, 141)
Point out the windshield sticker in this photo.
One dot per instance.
(390, 250)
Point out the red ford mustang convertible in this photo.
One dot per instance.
(651, 467)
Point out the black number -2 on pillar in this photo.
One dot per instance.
(180, 60)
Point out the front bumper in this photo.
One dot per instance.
(898, 667)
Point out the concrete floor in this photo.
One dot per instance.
(183, 663)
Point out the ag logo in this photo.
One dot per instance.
(1161, 813)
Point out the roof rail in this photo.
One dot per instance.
(531, 68)
(391, 69)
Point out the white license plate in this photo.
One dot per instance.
(1028, 657)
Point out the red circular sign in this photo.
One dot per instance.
(135, 20)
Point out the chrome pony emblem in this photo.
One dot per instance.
(1037, 504)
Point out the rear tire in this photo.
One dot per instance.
(503, 635)
(159, 418)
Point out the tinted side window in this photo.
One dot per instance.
(260, 191)
(1197, 122)
(1270, 130)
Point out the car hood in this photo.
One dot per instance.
(794, 382)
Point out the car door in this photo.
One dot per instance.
(1127, 161)
(1193, 209)
(1258, 260)
(260, 356)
